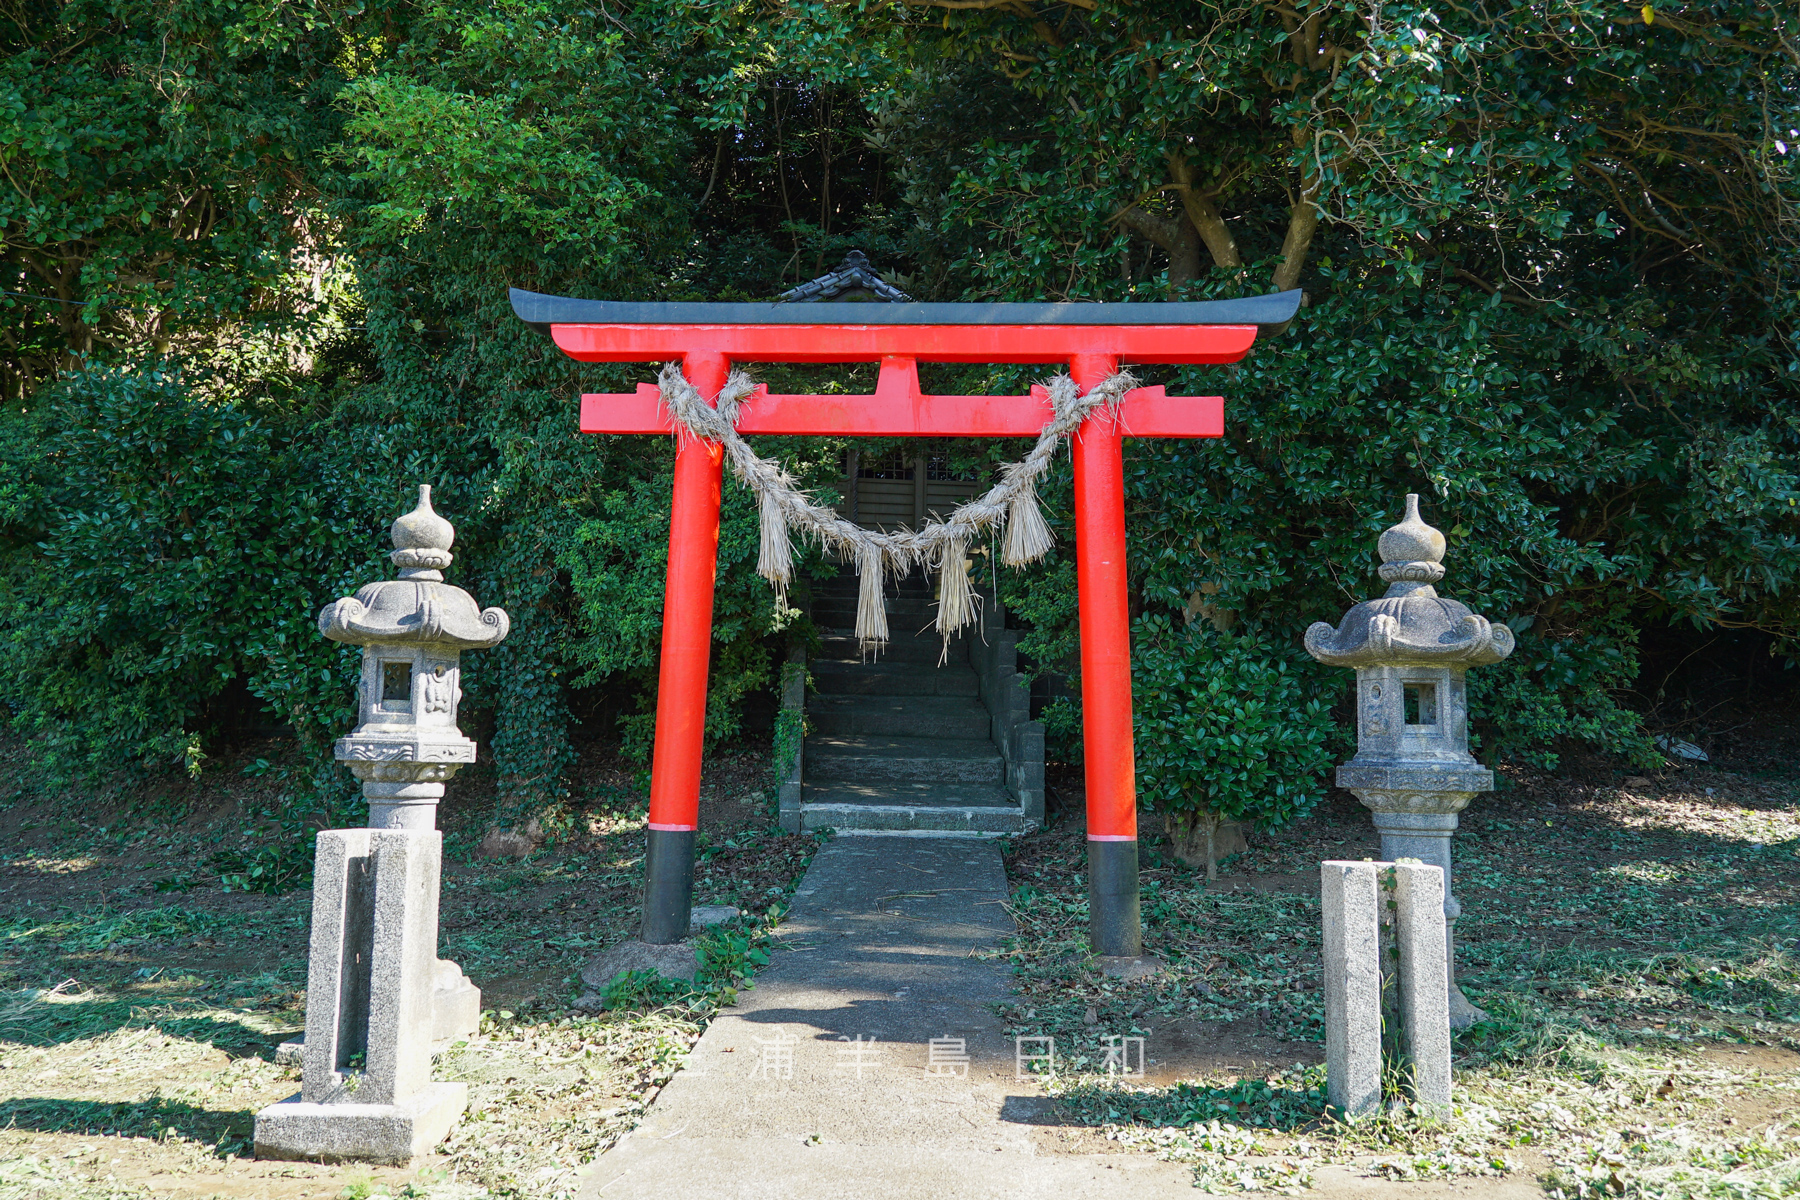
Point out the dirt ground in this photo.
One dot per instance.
(1632, 935)
(139, 1025)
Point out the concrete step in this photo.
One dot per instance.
(911, 795)
(899, 744)
(839, 612)
(863, 810)
(916, 584)
(899, 716)
(832, 677)
(900, 625)
(833, 758)
(842, 646)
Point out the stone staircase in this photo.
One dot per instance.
(902, 744)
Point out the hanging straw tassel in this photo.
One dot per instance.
(1027, 536)
(871, 610)
(775, 557)
(956, 598)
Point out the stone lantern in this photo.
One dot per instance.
(1412, 768)
(378, 998)
(413, 631)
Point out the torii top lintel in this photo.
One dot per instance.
(899, 336)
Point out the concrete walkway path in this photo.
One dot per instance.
(779, 1100)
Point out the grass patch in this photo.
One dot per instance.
(1626, 949)
(138, 1027)
(92, 930)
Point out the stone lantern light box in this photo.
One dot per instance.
(1411, 649)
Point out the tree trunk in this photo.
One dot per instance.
(1303, 222)
(1203, 214)
(1175, 235)
(1201, 836)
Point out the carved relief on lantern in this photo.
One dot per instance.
(438, 691)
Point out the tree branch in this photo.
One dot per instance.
(1173, 234)
(1303, 222)
(1203, 214)
(1089, 5)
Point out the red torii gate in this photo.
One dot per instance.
(1094, 340)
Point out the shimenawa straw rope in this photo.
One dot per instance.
(942, 545)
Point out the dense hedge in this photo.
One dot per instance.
(257, 263)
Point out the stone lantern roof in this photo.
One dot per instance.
(1411, 624)
(418, 607)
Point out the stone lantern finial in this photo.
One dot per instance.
(422, 540)
(413, 631)
(1411, 623)
(1412, 551)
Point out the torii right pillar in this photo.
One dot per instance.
(1112, 837)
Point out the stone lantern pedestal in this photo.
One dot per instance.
(1412, 769)
(378, 998)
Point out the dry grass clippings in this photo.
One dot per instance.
(1627, 944)
(138, 1026)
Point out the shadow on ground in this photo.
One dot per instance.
(31, 1020)
(159, 1118)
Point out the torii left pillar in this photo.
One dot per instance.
(681, 683)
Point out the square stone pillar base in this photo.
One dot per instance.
(389, 1134)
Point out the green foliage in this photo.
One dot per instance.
(269, 867)
(617, 562)
(790, 722)
(1285, 1101)
(1552, 693)
(523, 131)
(730, 956)
(164, 543)
(258, 260)
(1595, 393)
(1227, 724)
(1062, 729)
(641, 989)
(84, 932)
(156, 160)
